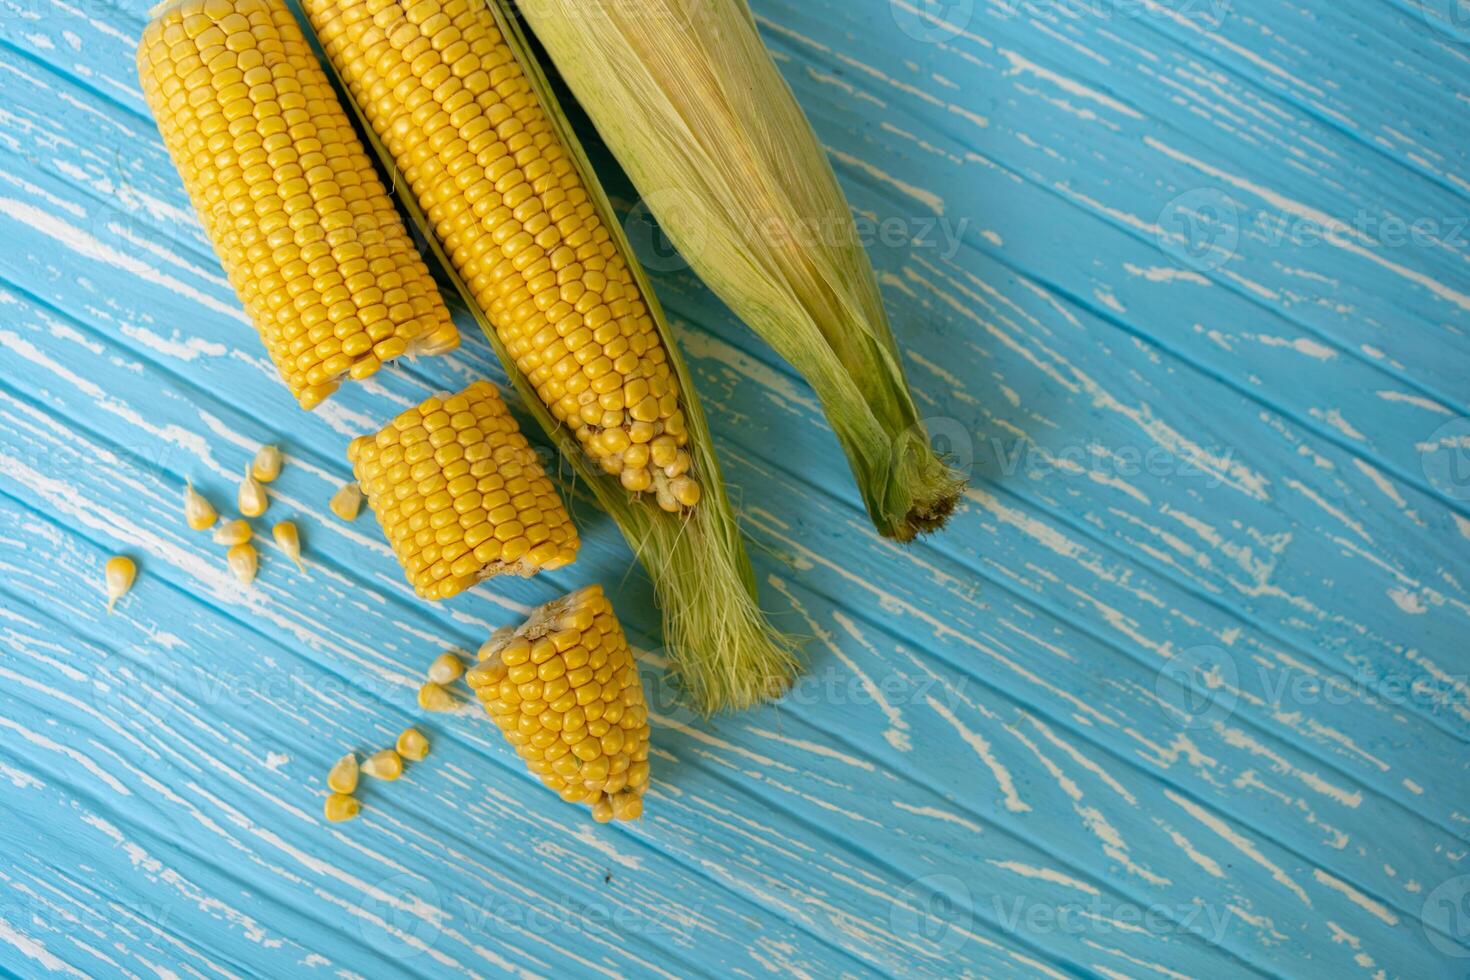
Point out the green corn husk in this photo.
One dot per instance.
(689, 101)
(724, 651)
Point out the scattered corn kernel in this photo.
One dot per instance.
(347, 501)
(267, 464)
(438, 82)
(386, 765)
(564, 691)
(341, 807)
(342, 777)
(251, 497)
(199, 513)
(288, 539)
(287, 194)
(119, 572)
(436, 697)
(412, 745)
(446, 669)
(243, 562)
(461, 495)
(234, 532)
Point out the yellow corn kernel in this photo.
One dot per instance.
(435, 697)
(119, 573)
(412, 745)
(347, 501)
(267, 464)
(340, 807)
(385, 765)
(445, 669)
(287, 194)
(251, 496)
(288, 539)
(585, 732)
(199, 513)
(342, 777)
(231, 533)
(461, 495)
(243, 561)
(449, 101)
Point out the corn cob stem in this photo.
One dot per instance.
(722, 647)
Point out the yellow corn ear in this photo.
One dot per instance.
(445, 94)
(564, 690)
(461, 495)
(287, 194)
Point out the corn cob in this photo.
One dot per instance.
(461, 494)
(443, 90)
(287, 195)
(722, 647)
(564, 690)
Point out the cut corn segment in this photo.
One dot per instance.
(445, 94)
(199, 513)
(347, 501)
(119, 573)
(340, 806)
(266, 465)
(231, 533)
(342, 777)
(564, 690)
(461, 495)
(306, 232)
(412, 745)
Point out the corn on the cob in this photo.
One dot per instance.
(266, 465)
(199, 513)
(445, 93)
(119, 573)
(305, 230)
(461, 494)
(564, 690)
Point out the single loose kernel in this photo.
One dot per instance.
(386, 765)
(288, 539)
(251, 497)
(435, 697)
(199, 513)
(267, 464)
(243, 562)
(341, 807)
(119, 572)
(347, 501)
(234, 532)
(446, 669)
(413, 745)
(342, 777)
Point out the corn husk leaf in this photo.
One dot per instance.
(688, 99)
(723, 650)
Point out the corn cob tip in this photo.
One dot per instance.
(564, 690)
(461, 494)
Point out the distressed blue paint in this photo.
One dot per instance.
(1154, 295)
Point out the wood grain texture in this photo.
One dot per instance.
(1181, 692)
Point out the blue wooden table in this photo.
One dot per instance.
(1183, 284)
